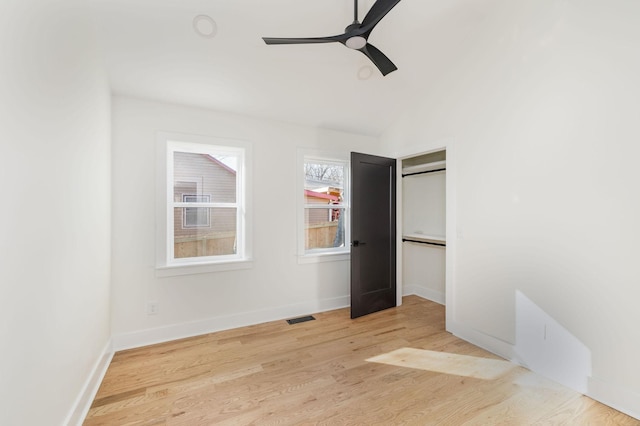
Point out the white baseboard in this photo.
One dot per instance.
(210, 325)
(484, 341)
(617, 397)
(424, 292)
(90, 388)
(622, 399)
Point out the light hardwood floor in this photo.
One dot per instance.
(317, 373)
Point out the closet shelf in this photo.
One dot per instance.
(422, 168)
(423, 238)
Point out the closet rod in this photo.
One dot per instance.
(423, 242)
(421, 173)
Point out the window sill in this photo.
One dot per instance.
(202, 268)
(323, 257)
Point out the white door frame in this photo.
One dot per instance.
(451, 229)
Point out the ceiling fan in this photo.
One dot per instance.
(355, 35)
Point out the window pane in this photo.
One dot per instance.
(201, 231)
(204, 178)
(195, 198)
(323, 182)
(324, 228)
(195, 217)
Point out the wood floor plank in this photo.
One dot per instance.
(317, 373)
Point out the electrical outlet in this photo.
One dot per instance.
(152, 308)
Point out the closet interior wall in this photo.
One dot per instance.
(423, 225)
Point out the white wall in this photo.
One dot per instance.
(423, 204)
(423, 212)
(275, 287)
(542, 105)
(423, 271)
(55, 215)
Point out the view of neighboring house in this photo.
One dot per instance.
(210, 231)
(322, 225)
(323, 195)
(203, 231)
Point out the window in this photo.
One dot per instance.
(205, 207)
(324, 219)
(196, 217)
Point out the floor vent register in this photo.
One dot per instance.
(301, 319)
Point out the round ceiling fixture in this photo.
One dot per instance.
(204, 26)
(365, 72)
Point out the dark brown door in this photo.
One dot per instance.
(373, 234)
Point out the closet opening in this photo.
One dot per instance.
(423, 225)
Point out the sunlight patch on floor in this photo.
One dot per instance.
(444, 362)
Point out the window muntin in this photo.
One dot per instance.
(205, 210)
(325, 221)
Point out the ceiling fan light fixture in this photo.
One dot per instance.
(356, 42)
(205, 26)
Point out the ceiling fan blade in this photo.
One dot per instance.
(379, 9)
(308, 40)
(379, 59)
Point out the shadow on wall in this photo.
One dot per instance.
(547, 348)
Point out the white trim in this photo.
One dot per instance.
(324, 257)
(400, 290)
(484, 341)
(203, 268)
(424, 292)
(210, 325)
(451, 232)
(615, 396)
(83, 401)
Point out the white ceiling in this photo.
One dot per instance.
(152, 51)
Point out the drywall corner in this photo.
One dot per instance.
(90, 388)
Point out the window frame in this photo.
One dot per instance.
(331, 253)
(166, 263)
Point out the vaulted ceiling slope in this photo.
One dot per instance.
(152, 51)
